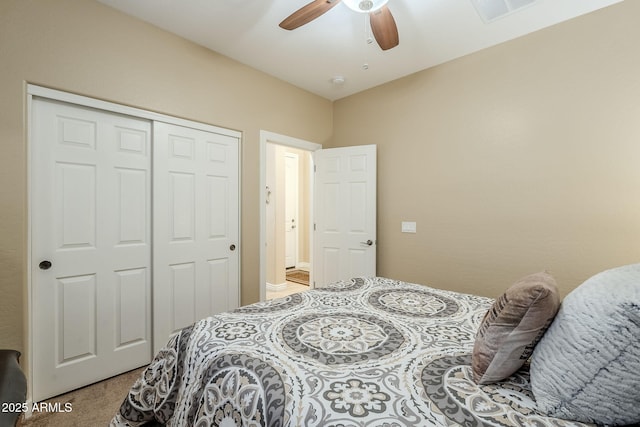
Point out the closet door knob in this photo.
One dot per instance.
(232, 247)
(45, 265)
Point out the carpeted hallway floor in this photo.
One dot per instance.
(91, 406)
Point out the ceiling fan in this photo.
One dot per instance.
(383, 25)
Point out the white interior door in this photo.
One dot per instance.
(90, 243)
(344, 213)
(196, 227)
(291, 209)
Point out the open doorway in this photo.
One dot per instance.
(286, 215)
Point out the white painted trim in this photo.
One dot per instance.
(29, 322)
(276, 288)
(29, 412)
(306, 266)
(123, 109)
(266, 137)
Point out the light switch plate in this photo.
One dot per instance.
(408, 227)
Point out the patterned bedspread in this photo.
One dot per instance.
(364, 352)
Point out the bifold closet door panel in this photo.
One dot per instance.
(196, 226)
(90, 207)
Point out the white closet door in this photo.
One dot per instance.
(196, 227)
(91, 254)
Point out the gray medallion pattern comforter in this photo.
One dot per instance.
(363, 352)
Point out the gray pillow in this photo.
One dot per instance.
(587, 365)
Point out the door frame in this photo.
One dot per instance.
(32, 91)
(275, 138)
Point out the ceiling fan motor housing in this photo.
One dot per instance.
(365, 6)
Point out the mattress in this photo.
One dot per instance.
(360, 352)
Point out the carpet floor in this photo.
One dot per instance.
(91, 406)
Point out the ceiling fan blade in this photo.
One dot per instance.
(384, 28)
(307, 13)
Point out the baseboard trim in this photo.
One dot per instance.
(276, 288)
(29, 412)
(306, 266)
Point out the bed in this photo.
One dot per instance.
(361, 352)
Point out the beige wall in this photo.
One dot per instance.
(275, 182)
(84, 47)
(519, 158)
(304, 209)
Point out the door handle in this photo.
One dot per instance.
(368, 243)
(232, 247)
(45, 265)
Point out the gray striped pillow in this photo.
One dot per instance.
(587, 365)
(512, 327)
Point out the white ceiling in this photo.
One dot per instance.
(431, 32)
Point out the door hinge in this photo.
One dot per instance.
(314, 226)
(315, 168)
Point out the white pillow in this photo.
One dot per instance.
(587, 365)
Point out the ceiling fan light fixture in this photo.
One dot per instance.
(364, 6)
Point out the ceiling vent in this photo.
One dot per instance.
(490, 10)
